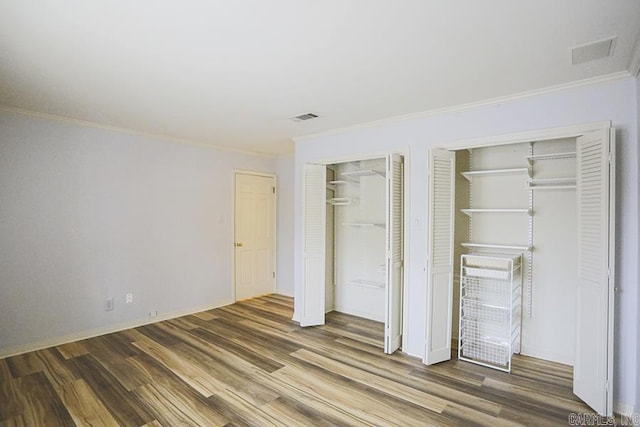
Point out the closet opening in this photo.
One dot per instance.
(521, 237)
(354, 242)
(515, 252)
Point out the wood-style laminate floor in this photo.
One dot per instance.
(248, 364)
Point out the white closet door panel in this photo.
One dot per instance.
(395, 200)
(440, 256)
(592, 375)
(314, 238)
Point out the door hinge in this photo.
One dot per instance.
(274, 190)
(274, 274)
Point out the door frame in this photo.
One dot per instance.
(545, 135)
(518, 137)
(273, 225)
(406, 214)
(330, 208)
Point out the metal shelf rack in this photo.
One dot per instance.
(490, 309)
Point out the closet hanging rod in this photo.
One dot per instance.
(472, 211)
(552, 156)
(552, 180)
(488, 172)
(492, 246)
(363, 224)
(367, 283)
(364, 172)
(551, 187)
(342, 201)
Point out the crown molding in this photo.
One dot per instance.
(634, 62)
(95, 125)
(469, 106)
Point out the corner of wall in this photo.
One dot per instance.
(637, 117)
(91, 214)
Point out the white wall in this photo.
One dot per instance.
(285, 196)
(612, 100)
(88, 213)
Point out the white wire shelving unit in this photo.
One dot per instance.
(490, 309)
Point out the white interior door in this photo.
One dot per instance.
(593, 369)
(314, 241)
(440, 256)
(394, 267)
(254, 235)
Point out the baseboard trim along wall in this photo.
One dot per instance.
(77, 336)
(627, 409)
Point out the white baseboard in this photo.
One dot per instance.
(284, 293)
(546, 354)
(624, 408)
(82, 335)
(359, 313)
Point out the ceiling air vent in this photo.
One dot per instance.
(592, 51)
(303, 117)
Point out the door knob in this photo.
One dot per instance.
(238, 245)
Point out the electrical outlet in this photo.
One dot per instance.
(153, 313)
(108, 304)
(128, 298)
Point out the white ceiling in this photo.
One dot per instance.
(230, 73)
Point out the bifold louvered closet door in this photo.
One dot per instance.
(440, 255)
(394, 268)
(593, 369)
(314, 237)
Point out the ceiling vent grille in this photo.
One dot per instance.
(592, 51)
(303, 117)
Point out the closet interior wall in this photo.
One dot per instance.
(550, 330)
(359, 224)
